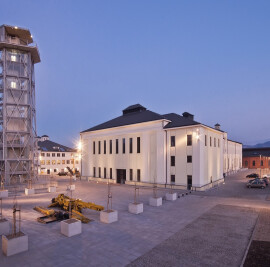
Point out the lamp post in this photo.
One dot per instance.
(260, 166)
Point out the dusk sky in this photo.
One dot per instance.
(210, 58)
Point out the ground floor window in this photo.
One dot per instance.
(189, 182)
(94, 171)
(172, 178)
(99, 172)
(138, 175)
(110, 173)
(105, 173)
(130, 174)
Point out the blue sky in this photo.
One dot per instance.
(210, 58)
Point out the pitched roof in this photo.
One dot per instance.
(256, 152)
(178, 121)
(139, 114)
(135, 114)
(48, 145)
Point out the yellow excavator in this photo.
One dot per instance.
(64, 202)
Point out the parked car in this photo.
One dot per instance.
(256, 183)
(265, 180)
(252, 175)
(62, 173)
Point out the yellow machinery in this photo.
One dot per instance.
(64, 203)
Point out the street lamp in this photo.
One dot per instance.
(260, 166)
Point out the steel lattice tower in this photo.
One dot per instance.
(18, 145)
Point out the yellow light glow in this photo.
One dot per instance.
(16, 27)
(79, 145)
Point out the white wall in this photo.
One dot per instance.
(150, 160)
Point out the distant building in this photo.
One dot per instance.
(142, 146)
(55, 158)
(256, 158)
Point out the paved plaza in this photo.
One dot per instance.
(210, 228)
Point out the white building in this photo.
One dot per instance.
(55, 158)
(145, 147)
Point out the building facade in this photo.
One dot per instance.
(256, 158)
(18, 55)
(145, 147)
(54, 158)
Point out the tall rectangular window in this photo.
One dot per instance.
(189, 140)
(138, 175)
(99, 172)
(110, 173)
(110, 146)
(189, 159)
(205, 140)
(48, 155)
(123, 146)
(253, 163)
(173, 141)
(105, 174)
(99, 147)
(172, 160)
(94, 171)
(130, 145)
(138, 144)
(130, 174)
(261, 162)
(104, 146)
(215, 142)
(116, 146)
(210, 141)
(172, 178)
(218, 143)
(94, 147)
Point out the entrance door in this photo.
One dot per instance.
(48, 171)
(189, 182)
(121, 176)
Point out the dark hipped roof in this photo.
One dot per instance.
(48, 145)
(178, 121)
(136, 114)
(256, 152)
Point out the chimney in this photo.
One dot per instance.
(217, 126)
(188, 115)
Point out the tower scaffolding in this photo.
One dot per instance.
(18, 144)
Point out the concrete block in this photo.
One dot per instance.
(3, 193)
(14, 245)
(71, 187)
(29, 191)
(171, 196)
(135, 208)
(4, 227)
(71, 227)
(52, 189)
(109, 216)
(155, 201)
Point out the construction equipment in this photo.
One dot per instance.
(51, 215)
(62, 201)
